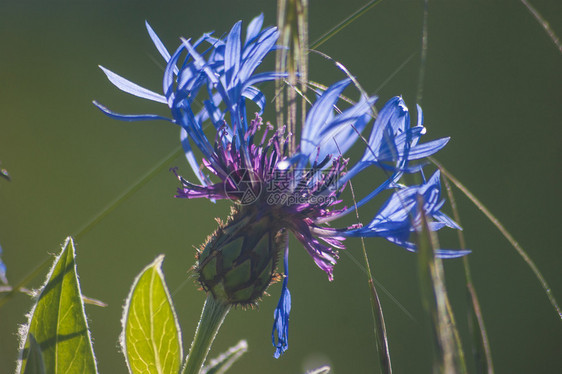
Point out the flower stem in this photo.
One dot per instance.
(212, 316)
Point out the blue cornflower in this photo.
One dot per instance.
(276, 191)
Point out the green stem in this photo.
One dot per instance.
(212, 316)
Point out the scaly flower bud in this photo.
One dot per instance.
(238, 261)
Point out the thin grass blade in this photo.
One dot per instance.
(292, 22)
(505, 233)
(449, 357)
(161, 165)
(222, 363)
(343, 24)
(545, 25)
(480, 345)
(380, 329)
(423, 54)
(385, 364)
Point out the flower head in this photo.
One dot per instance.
(276, 191)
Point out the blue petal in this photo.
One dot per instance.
(398, 207)
(232, 54)
(191, 76)
(400, 216)
(262, 77)
(188, 77)
(132, 88)
(158, 43)
(130, 117)
(390, 120)
(194, 129)
(254, 28)
(281, 314)
(442, 217)
(200, 62)
(258, 51)
(256, 96)
(419, 151)
(190, 156)
(319, 114)
(433, 182)
(339, 134)
(354, 113)
(217, 44)
(169, 74)
(3, 278)
(427, 149)
(420, 115)
(211, 111)
(396, 146)
(451, 253)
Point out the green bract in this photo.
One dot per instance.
(238, 261)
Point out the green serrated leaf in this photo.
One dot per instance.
(57, 334)
(151, 336)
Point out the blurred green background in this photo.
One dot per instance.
(493, 82)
